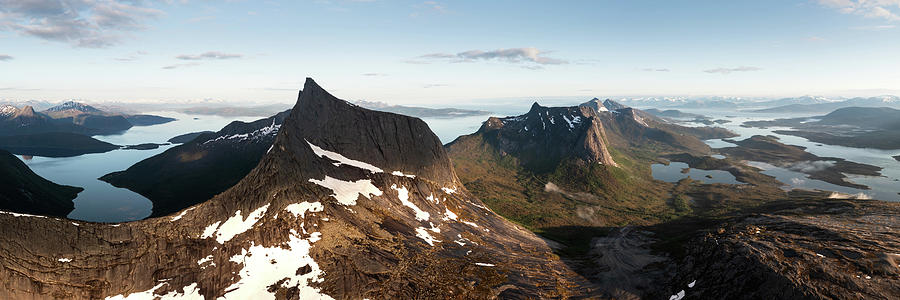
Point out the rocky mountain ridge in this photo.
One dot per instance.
(349, 204)
(206, 165)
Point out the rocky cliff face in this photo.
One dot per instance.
(196, 171)
(821, 249)
(23, 191)
(543, 137)
(349, 204)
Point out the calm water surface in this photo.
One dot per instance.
(885, 187)
(674, 172)
(102, 202)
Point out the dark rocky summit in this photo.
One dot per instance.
(209, 164)
(23, 191)
(349, 204)
(543, 137)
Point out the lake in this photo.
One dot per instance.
(675, 172)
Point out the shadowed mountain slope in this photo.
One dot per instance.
(23, 191)
(193, 172)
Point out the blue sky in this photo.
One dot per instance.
(444, 51)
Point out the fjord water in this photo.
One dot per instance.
(102, 202)
(885, 187)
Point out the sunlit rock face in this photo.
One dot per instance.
(348, 203)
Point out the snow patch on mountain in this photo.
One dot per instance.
(251, 136)
(191, 292)
(300, 209)
(342, 160)
(346, 192)
(268, 266)
(423, 234)
(234, 225)
(183, 212)
(403, 194)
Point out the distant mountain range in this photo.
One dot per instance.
(803, 104)
(65, 129)
(421, 112)
(828, 106)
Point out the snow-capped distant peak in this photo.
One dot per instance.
(72, 105)
(890, 99)
(8, 110)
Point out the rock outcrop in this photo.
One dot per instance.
(819, 249)
(349, 204)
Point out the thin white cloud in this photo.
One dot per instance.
(209, 55)
(435, 6)
(726, 71)
(511, 55)
(655, 70)
(176, 66)
(434, 85)
(875, 9)
(874, 27)
(429, 6)
(374, 74)
(80, 23)
(131, 57)
(4, 57)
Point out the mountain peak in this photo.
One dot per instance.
(535, 106)
(595, 105)
(74, 106)
(613, 105)
(27, 111)
(389, 141)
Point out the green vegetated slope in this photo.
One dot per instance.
(577, 171)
